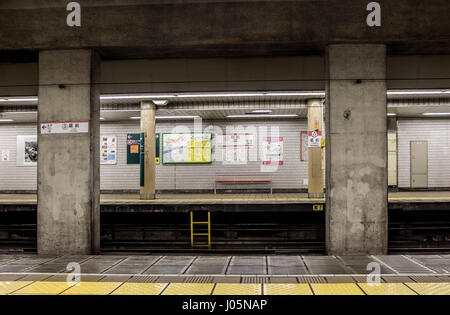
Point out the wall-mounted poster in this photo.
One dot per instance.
(27, 151)
(272, 150)
(108, 150)
(236, 147)
(182, 148)
(5, 156)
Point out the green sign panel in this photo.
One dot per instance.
(133, 148)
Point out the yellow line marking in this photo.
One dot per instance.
(140, 289)
(430, 288)
(386, 289)
(287, 289)
(336, 289)
(189, 289)
(92, 288)
(237, 289)
(44, 288)
(7, 287)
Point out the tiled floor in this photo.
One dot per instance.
(229, 275)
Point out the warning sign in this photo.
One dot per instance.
(314, 139)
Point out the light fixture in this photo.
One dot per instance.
(262, 111)
(418, 92)
(436, 114)
(101, 118)
(262, 116)
(6, 120)
(169, 117)
(23, 99)
(136, 96)
(160, 102)
(391, 114)
(177, 117)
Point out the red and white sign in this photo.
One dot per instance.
(50, 127)
(314, 139)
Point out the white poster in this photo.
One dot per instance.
(314, 139)
(273, 151)
(27, 151)
(108, 150)
(5, 156)
(237, 148)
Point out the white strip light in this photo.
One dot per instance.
(6, 120)
(419, 92)
(169, 117)
(436, 114)
(391, 114)
(263, 116)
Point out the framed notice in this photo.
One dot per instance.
(108, 150)
(186, 148)
(27, 151)
(272, 151)
(54, 127)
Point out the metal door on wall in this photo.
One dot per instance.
(419, 164)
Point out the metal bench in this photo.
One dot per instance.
(242, 179)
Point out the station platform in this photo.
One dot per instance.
(211, 199)
(225, 275)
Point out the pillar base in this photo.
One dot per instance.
(148, 197)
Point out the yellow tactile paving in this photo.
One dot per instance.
(189, 289)
(430, 288)
(386, 289)
(287, 289)
(336, 289)
(44, 288)
(92, 288)
(140, 289)
(7, 287)
(237, 289)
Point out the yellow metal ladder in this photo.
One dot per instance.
(193, 234)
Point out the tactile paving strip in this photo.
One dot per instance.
(139, 289)
(92, 288)
(7, 287)
(237, 289)
(336, 289)
(287, 289)
(44, 288)
(430, 288)
(386, 289)
(189, 289)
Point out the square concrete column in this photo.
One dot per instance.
(356, 150)
(68, 163)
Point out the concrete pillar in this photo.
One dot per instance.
(148, 127)
(315, 170)
(68, 163)
(356, 155)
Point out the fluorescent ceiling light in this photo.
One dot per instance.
(176, 117)
(423, 92)
(262, 111)
(261, 116)
(23, 99)
(137, 96)
(101, 118)
(169, 117)
(294, 94)
(391, 114)
(436, 114)
(6, 120)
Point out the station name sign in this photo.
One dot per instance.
(54, 127)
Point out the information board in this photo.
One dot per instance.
(186, 148)
(133, 148)
(108, 150)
